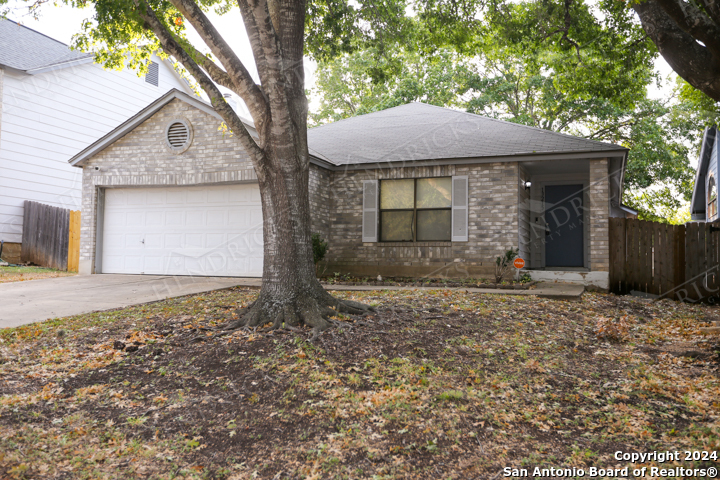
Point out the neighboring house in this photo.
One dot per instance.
(704, 204)
(55, 102)
(413, 190)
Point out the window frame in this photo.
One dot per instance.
(414, 210)
(712, 202)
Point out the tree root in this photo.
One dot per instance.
(314, 311)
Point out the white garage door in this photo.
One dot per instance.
(208, 231)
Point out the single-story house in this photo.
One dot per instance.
(413, 190)
(704, 204)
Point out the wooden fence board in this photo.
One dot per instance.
(45, 235)
(656, 255)
(645, 257)
(691, 253)
(668, 233)
(635, 285)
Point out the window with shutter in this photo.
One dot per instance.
(370, 211)
(460, 208)
(415, 210)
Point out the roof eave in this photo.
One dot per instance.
(60, 65)
(476, 160)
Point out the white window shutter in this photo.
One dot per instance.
(371, 198)
(460, 208)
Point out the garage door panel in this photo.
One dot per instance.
(217, 218)
(137, 200)
(214, 231)
(154, 218)
(216, 240)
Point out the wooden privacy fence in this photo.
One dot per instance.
(675, 261)
(51, 236)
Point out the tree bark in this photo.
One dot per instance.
(672, 29)
(291, 293)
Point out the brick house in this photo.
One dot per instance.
(414, 190)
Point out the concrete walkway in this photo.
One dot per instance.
(37, 300)
(557, 291)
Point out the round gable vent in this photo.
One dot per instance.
(178, 135)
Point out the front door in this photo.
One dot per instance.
(564, 226)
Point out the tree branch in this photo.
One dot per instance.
(686, 56)
(217, 74)
(689, 18)
(172, 47)
(242, 82)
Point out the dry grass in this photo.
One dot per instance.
(435, 385)
(22, 274)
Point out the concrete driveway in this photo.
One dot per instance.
(37, 300)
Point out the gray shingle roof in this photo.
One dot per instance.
(417, 131)
(25, 49)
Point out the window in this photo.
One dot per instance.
(153, 74)
(416, 210)
(712, 198)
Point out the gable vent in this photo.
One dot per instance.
(153, 74)
(178, 135)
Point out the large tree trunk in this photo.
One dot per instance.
(291, 293)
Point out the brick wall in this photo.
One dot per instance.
(599, 208)
(141, 158)
(492, 227)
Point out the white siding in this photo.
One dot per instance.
(48, 118)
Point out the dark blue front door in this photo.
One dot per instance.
(564, 226)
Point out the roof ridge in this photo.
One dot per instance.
(363, 115)
(567, 135)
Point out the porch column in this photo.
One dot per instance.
(599, 214)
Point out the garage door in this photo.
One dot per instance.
(208, 231)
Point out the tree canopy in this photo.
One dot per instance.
(564, 65)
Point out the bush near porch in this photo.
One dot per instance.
(437, 384)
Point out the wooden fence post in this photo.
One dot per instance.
(74, 242)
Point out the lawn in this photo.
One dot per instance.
(434, 385)
(21, 274)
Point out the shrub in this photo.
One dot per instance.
(319, 247)
(504, 262)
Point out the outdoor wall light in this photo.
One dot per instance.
(527, 184)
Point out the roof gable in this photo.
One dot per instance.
(24, 49)
(417, 131)
(130, 124)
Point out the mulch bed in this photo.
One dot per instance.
(438, 384)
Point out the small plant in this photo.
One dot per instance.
(451, 396)
(526, 278)
(319, 248)
(504, 262)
